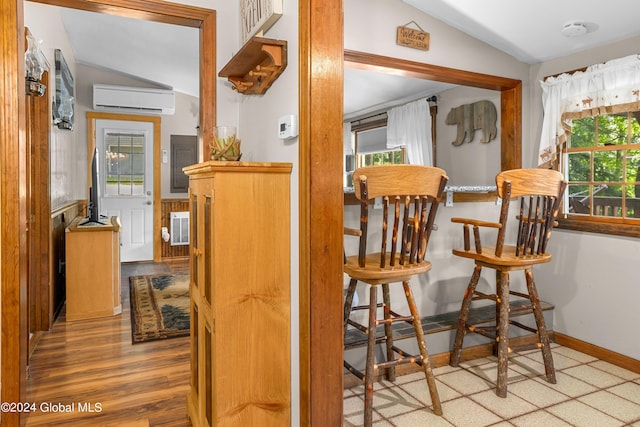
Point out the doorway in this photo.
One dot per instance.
(126, 190)
(13, 160)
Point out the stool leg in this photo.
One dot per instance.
(464, 315)
(426, 364)
(542, 329)
(348, 300)
(502, 325)
(370, 366)
(391, 371)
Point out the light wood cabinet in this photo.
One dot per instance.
(240, 294)
(93, 269)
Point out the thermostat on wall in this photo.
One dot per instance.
(288, 126)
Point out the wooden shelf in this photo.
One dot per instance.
(256, 66)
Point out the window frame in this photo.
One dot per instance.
(629, 227)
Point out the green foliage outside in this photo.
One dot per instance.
(610, 139)
(382, 158)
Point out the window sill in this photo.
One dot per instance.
(599, 227)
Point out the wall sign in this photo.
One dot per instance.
(417, 39)
(257, 16)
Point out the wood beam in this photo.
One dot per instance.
(13, 220)
(321, 212)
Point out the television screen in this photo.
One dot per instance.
(94, 216)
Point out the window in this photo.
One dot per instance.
(387, 157)
(369, 142)
(602, 163)
(125, 164)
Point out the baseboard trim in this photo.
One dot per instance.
(601, 353)
(484, 350)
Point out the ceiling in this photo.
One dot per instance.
(167, 55)
(530, 31)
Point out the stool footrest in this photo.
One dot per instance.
(521, 326)
(485, 331)
(359, 343)
(480, 295)
(354, 370)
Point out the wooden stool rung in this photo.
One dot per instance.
(355, 371)
(485, 331)
(521, 326)
(359, 343)
(480, 295)
(525, 347)
(520, 294)
(358, 326)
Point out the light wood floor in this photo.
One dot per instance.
(92, 365)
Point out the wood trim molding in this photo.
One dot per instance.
(601, 353)
(13, 210)
(510, 98)
(171, 13)
(13, 227)
(321, 211)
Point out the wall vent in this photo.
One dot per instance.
(179, 228)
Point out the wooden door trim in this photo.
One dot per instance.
(171, 13)
(321, 211)
(13, 227)
(156, 121)
(13, 218)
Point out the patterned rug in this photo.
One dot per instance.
(159, 306)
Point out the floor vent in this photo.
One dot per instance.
(179, 228)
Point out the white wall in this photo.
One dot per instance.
(593, 279)
(442, 288)
(258, 131)
(45, 24)
(474, 162)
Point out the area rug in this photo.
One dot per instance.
(159, 306)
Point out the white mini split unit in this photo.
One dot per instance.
(133, 99)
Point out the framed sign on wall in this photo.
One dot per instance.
(257, 16)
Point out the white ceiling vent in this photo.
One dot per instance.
(133, 99)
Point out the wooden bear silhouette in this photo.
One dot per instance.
(469, 117)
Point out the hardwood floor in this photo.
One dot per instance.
(87, 373)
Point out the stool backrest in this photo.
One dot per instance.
(410, 195)
(540, 192)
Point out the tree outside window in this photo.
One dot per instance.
(603, 168)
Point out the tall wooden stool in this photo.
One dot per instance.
(540, 192)
(410, 197)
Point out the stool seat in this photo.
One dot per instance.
(506, 260)
(410, 196)
(373, 274)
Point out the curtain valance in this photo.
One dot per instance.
(604, 88)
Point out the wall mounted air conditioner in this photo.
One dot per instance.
(133, 99)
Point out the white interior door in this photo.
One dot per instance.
(126, 183)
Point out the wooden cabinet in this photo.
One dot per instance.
(240, 294)
(93, 269)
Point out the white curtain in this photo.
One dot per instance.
(601, 89)
(346, 138)
(409, 125)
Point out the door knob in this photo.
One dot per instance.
(149, 202)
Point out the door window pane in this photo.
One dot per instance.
(125, 164)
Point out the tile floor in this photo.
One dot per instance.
(589, 392)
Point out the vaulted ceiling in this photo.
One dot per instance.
(167, 55)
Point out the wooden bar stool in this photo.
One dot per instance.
(540, 192)
(410, 197)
